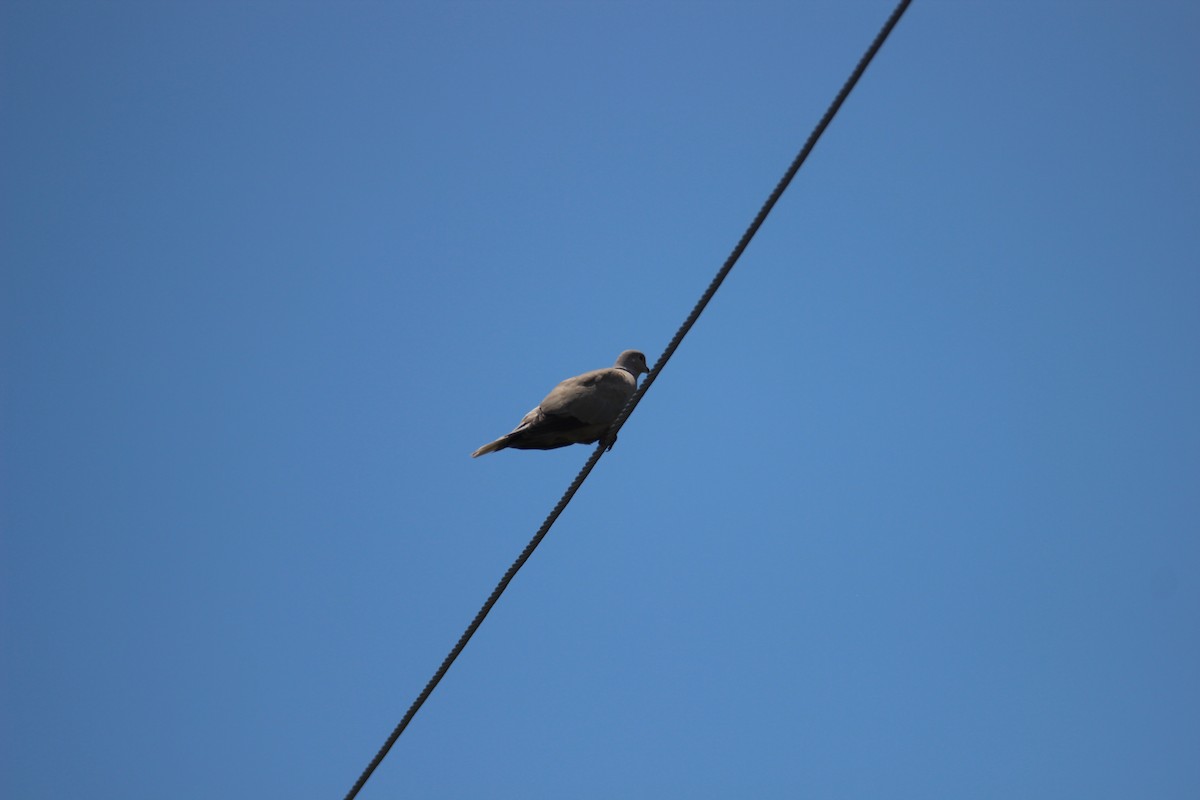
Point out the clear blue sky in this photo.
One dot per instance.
(914, 511)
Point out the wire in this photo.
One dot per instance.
(590, 464)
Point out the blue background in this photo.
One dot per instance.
(913, 512)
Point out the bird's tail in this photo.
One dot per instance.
(491, 447)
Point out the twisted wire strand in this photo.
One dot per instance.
(617, 424)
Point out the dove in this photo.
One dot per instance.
(577, 411)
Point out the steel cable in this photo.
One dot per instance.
(590, 464)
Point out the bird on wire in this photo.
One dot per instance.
(577, 411)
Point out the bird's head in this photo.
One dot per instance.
(633, 362)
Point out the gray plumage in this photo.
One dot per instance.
(577, 411)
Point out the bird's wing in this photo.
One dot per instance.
(594, 397)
